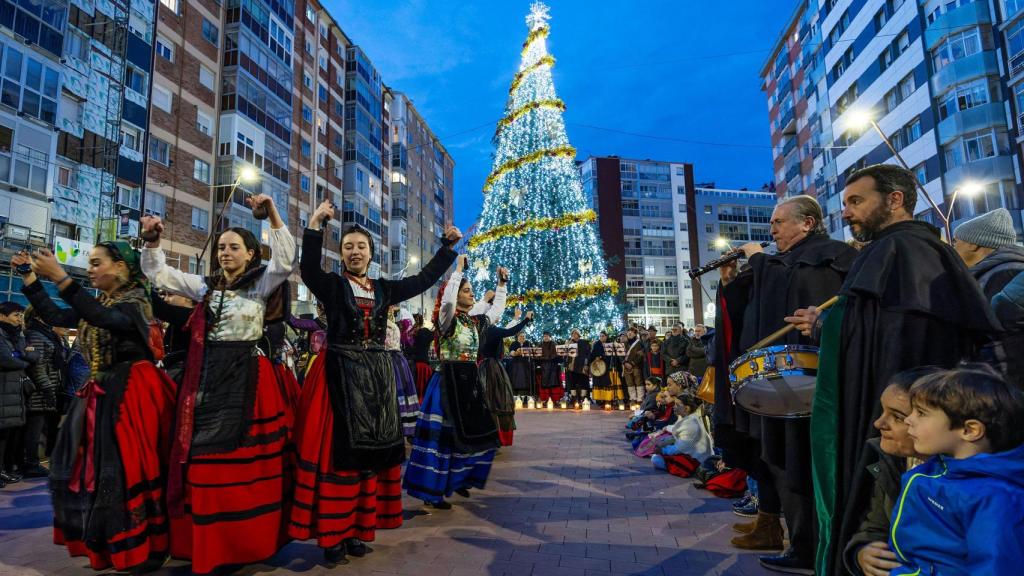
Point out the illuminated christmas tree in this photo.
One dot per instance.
(536, 220)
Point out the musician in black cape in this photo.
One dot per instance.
(808, 269)
(908, 301)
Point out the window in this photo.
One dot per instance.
(200, 219)
(307, 80)
(321, 159)
(156, 204)
(964, 97)
(921, 171)
(707, 209)
(131, 138)
(307, 114)
(70, 109)
(130, 197)
(66, 177)
(210, 32)
(162, 98)
(323, 62)
(957, 47)
(907, 86)
(306, 151)
(204, 123)
(206, 77)
(310, 13)
(159, 151)
(980, 146)
(309, 47)
(76, 44)
(323, 92)
(135, 79)
(201, 171)
(323, 30)
(171, 5)
(304, 183)
(164, 48)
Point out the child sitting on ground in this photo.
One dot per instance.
(688, 435)
(651, 388)
(962, 511)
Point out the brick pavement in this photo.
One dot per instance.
(567, 500)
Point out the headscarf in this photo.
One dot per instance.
(121, 251)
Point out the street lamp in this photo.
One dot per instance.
(860, 119)
(248, 175)
(721, 243)
(968, 190)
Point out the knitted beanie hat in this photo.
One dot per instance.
(990, 230)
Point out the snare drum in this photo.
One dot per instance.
(777, 381)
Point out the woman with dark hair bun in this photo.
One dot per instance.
(228, 465)
(107, 470)
(349, 434)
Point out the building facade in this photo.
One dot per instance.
(656, 224)
(421, 192)
(940, 78)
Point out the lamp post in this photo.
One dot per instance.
(248, 175)
(859, 119)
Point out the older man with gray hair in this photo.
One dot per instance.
(807, 268)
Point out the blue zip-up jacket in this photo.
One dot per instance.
(964, 516)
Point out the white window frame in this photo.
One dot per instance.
(212, 77)
(154, 204)
(161, 96)
(204, 123)
(165, 48)
(200, 219)
(201, 171)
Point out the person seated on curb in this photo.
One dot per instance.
(962, 511)
(650, 403)
(688, 435)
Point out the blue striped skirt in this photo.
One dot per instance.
(435, 470)
(408, 403)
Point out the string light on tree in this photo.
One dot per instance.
(536, 219)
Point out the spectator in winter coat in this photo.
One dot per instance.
(962, 511)
(15, 357)
(46, 383)
(988, 246)
(674, 349)
(697, 352)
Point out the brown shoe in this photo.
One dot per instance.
(744, 527)
(766, 535)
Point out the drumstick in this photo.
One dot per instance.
(789, 327)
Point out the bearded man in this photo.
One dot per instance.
(908, 301)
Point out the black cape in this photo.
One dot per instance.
(771, 288)
(909, 301)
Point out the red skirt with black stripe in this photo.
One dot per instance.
(332, 505)
(424, 372)
(235, 502)
(142, 431)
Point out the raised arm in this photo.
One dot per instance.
(319, 282)
(449, 300)
(282, 261)
(402, 290)
(47, 308)
(107, 317)
(497, 310)
(154, 266)
(512, 330)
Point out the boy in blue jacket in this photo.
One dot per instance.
(962, 511)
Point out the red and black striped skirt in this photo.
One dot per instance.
(424, 372)
(332, 505)
(235, 502)
(137, 402)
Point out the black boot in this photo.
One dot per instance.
(789, 562)
(442, 505)
(357, 547)
(464, 492)
(335, 554)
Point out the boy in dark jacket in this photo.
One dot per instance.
(962, 511)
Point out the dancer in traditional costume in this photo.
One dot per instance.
(551, 371)
(229, 463)
(520, 367)
(107, 469)
(456, 437)
(500, 398)
(405, 386)
(607, 385)
(349, 435)
(422, 338)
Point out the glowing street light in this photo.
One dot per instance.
(968, 189)
(721, 243)
(247, 175)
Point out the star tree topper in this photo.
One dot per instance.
(538, 17)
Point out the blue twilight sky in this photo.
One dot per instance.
(662, 71)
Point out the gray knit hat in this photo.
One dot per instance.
(990, 230)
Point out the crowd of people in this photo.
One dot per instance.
(182, 415)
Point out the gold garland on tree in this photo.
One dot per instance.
(520, 228)
(520, 76)
(538, 33)
(553, 103)
(553, 297)
(561, 151)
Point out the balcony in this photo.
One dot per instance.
(984, 170)
(972, 119)
(965, 16)
(973, 66)
(787, 123)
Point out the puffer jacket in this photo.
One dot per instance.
(46, 372)
(14, 385)
(961, 516)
